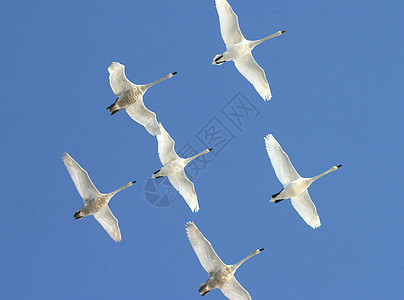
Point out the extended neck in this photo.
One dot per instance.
(187, 160)
(146, 86)
(122, 188)
(255, 43)
(325, 173)
(237, 265)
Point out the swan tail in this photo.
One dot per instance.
(78, 215)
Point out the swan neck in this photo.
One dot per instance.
(322, 174)
(257, 42)
(121, 188)
(145, 87)
(195, 156)
(237, 265)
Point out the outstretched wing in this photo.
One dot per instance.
(138, 112)
(229, 27)
(165, 146)
(280, 161)
(207, 256)
(117, 79)
(80, 177)
(306, 209)
(249, 68)
(186, 188)
(108, 221)
(233, 290)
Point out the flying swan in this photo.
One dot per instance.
(95, 203)
(173, 168)
(294, 186)
(238, 49)
(220, 275)
(130, 96)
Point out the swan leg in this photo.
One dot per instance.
(277, 194)
(77, 215)
(219, 57)
(109, 107)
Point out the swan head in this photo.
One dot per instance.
(258, 251)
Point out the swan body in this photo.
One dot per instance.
(221, 276)
(238, 49)
(294, 186)
(95, 203)
(173, 168)
(130, 97)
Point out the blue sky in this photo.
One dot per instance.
(336, 80)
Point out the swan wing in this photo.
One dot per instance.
(306, 209)
(233, 290)
(82, 181)
(280, 161)
(229, 27)
(117, 79)
(139, 112)
(165, 146)
(207, 256)
(186, 188)
(108, 221)
(249, 68)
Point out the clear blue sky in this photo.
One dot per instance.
(336, 77)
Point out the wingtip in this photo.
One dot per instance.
(173, 73)
(339, 166)
(133, 182)
(268, 136)
(262, 249)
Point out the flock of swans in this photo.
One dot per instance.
(130, 97)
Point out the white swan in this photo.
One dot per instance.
(294, 186)
(220, 275)
(95, 203)
(238, 49)
(130, 96)
(173, 168)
